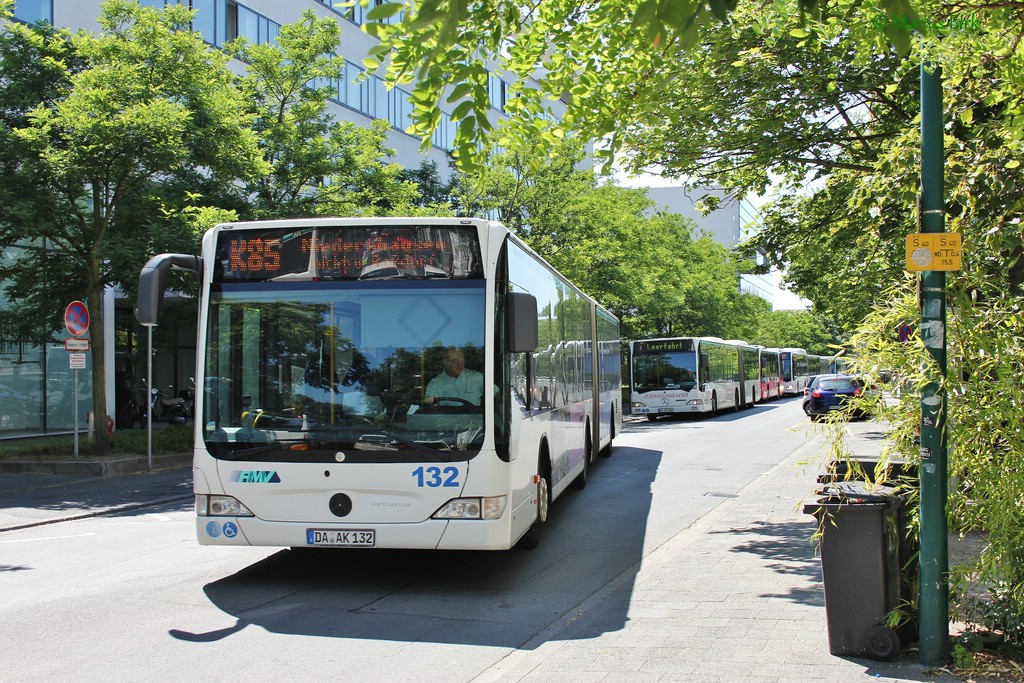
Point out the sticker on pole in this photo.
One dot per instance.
(76, 318)
(933, 251)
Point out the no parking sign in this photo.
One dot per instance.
(76, 318)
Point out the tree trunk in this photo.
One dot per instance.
(99, 385)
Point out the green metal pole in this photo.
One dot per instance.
(934, 557)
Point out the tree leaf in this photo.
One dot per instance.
(384, 11)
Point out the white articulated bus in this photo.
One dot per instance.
(749, 373)
(389, 382)
(684, 375)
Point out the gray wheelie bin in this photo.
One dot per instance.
(860, 566)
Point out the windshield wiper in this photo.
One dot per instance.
(445, 455)
(244, 453)
(386, 276)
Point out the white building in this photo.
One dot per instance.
(260, 21)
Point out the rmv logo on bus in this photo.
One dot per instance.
(255, 477)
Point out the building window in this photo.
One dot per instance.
(34, 11)
(205, 20)
(497, 91)
(357, 13)
(242, 22)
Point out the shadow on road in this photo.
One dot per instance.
(505, 599)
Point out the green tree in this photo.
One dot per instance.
(800, 329)
(649, 268)
(138, 103)
(433, 191)
(318, 164)
(610, 63)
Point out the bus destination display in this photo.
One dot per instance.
(662, 346)
(350, 253)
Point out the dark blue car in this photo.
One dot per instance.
(829, 393)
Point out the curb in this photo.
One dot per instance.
(127, 507)
(97, 468)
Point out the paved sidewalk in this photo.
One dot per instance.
(736, 597)
(28, 500)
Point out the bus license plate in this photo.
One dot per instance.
(664, 410)
(343, 538)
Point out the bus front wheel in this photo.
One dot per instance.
(531, 539)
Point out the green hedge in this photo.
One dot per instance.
(172, 439)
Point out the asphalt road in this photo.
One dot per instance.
(131, 596)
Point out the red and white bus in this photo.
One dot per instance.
(771, 373)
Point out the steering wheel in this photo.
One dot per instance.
(437, 407)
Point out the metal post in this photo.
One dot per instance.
(74, 399)
(149, 394)
(934, 558)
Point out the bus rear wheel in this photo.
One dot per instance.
(606, 452)
(580, 482)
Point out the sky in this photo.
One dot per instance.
(787, 301)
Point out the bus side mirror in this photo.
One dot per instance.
(153, 282)
(521, 309)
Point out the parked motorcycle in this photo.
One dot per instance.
(188, 396)
(165, 406)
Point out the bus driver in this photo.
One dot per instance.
(456, 381)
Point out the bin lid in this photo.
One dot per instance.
(859, 493)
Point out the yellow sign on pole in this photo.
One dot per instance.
(933, 251)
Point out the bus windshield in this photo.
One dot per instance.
(661, 371)
(340, 371)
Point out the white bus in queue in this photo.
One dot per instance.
(684, 375)
(389, 383)
(793, 363)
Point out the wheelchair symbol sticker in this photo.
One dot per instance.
(230, 530)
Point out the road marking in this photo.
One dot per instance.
(48, 538)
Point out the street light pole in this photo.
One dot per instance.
(934, 557)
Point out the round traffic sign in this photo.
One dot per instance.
(76, 318)
(905, 332)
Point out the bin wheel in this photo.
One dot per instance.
(882, 643)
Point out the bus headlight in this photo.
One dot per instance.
(220, 506)
(472, 508)
(695, 402)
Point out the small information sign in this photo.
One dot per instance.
(933, 251)
(76, 344)
(77, 361)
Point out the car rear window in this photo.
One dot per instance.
(838, 385)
